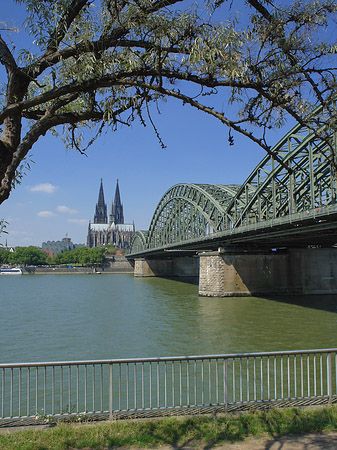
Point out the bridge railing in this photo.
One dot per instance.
(321, 215)
(130, 387)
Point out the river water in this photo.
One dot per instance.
(80, 317)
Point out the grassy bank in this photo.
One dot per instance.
(201, 431)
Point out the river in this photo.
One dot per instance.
(80, 317)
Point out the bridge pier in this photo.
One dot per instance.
(298, 271)
(175, 266)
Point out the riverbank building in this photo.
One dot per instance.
(55, 247)
(110, 229)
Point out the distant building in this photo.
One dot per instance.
(10, 249)
(115, 231)
(55, 247)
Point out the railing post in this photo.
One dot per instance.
(110, 391)
(329, 378)
(225, 381)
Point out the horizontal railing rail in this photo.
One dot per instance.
(116, 386)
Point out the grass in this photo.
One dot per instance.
(202, 431)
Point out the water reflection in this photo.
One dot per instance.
(244, 324)
(77, 317)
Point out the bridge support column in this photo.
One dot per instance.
(152, 267)
(299, 271)
(175, 266)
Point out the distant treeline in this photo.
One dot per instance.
(32, 256)
(83, 256)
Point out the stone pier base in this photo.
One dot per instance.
(184, 266)
(299, 271)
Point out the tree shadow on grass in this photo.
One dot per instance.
(209, 432)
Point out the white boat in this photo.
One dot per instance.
(10, 271)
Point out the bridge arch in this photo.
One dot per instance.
(139, 241)
(305, 180)
(188, 211)
(272, 191)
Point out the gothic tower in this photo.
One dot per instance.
(116, 232)
(117, 214)
(101, 215)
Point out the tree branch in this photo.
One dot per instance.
(100, 45)
(66, 20)
(118, 79)
(220, 116)
(6, 57)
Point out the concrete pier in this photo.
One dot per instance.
(177, 266)
(298, 271)
(232, 273)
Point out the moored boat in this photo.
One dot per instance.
(10, 271)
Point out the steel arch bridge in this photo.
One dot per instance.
(290, 202)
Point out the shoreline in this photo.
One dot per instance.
(116, 264)
(74, 270)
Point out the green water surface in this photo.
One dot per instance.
(80, 317)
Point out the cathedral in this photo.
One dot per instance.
(113, 231)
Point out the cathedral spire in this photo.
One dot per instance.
(101, 215)
(117, 214)
(101, 195)
(117, 200)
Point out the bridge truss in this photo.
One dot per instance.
(302, 186)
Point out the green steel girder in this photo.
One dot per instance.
(277, 192)
(305, 181)
(139, 241)
(188, 211)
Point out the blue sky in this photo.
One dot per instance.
(59, 193)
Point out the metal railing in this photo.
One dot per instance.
(155, 385)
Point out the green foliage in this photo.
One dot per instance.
(21, 171)
(202, 431)
(31, 256)
(4, 256)
(110, 249)
(3, 225)
(81, 256)
(104, 64)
